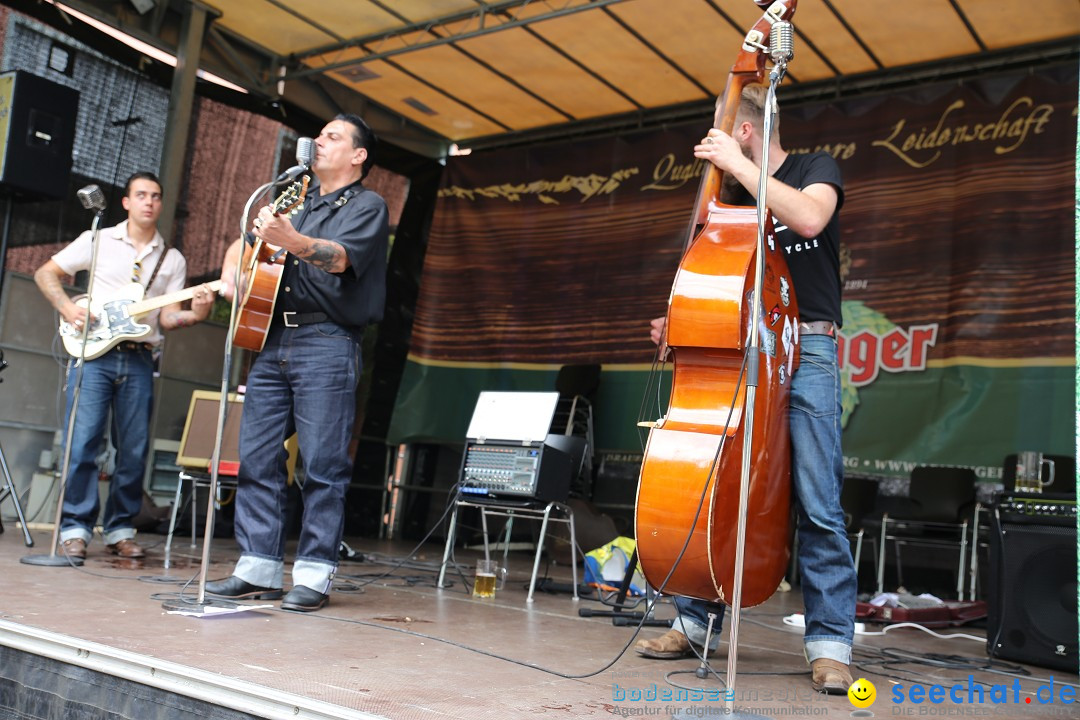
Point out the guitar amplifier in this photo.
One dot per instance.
(1058, 510)
(1032, 605)
(507, 470)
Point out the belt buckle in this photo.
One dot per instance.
(285, 317)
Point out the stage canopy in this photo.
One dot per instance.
(434, 72)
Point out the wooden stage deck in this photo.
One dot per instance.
(392, 645)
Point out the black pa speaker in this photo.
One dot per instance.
(37, 133)
(1031, 608)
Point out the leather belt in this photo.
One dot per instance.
(129, 346)
(296, 319)
(818, 327)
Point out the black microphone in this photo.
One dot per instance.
(91, 197)
(305, 155)
(781, 44)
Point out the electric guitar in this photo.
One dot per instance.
(114, 320)
(262, 267)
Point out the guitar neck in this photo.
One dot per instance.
(150, 304)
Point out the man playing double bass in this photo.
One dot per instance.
(804, 193)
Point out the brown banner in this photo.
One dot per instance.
(958, 212)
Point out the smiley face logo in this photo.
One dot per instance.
(862, 693)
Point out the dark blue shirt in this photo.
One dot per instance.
(356, 218)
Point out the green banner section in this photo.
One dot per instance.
(959, 415)
(436, 401)
(942, 413)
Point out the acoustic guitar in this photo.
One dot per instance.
(262, 267)
(114, 320)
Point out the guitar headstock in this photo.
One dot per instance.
(292, 198)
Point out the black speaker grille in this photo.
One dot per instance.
(1033, 595)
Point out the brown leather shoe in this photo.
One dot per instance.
(830, 676)
(126, 548)
(73, 548)
(672, 645)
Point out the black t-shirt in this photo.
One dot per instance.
(814, 262)
(357, 219)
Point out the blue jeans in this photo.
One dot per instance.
(817, 471)
(303, 381)
(120, 380)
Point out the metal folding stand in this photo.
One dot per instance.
(530, 512)
(196, 481)
(9, 489)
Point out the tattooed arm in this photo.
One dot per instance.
(50, 278)
(174, 316)
(323, 254)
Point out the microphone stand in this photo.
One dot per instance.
(752, 366)
(202, 604)
(52, 559)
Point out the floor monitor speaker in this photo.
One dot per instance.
(1032, 602)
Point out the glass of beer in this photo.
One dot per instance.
(486, 572)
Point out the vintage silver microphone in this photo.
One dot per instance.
(305, 156)
(781, 43)
(91, 197)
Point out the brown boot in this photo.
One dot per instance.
(73, 548)
(830, 676)
(127, 548)
(672, 645)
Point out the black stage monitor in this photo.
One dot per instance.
(37, 133)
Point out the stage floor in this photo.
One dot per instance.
(391, 645)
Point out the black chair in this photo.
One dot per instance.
(577, 386)
(937, 514)
(858, 498)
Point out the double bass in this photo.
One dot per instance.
(688, 500)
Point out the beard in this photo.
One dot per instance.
(732, 189)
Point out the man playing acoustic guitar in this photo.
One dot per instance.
(332, 284)
(120, 379)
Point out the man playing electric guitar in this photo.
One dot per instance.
(120, 378)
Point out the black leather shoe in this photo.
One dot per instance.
(233, 588)
(304, 599)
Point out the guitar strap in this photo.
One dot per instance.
(161, 259)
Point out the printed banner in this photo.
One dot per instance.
(957, 261)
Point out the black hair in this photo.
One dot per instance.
(142, 175)
(362, 136)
